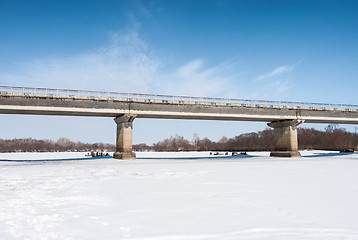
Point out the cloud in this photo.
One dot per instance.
(125, 64)
(275, 83)
(277, 72)
(146, 8)
(129, 64)
(193, 79)
(280, 86)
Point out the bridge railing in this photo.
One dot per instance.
(50, 92)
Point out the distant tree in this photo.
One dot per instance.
(331, 127)
(141, 147)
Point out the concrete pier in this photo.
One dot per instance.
(124, 137)
(285, 138)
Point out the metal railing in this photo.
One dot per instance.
(50, 92)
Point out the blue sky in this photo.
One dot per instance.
(277, 50)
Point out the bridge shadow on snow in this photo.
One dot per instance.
(56, 159)
(139, 158)
(194, 158)
(329, 154)
(168, 158)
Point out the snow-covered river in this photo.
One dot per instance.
(314, 197)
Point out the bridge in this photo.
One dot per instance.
(283, 117)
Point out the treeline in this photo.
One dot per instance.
(61, 145)
(259, 141)
(332, 138)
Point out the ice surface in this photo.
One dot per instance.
(157, 199)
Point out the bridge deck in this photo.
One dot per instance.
(41, 101)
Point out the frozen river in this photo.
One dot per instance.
(314, 197)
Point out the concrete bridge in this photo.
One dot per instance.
(283, 117)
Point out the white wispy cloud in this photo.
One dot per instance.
(193, 79)
(129, 64)
(126, 64)
(280, 86)
(275, 83)
(277, 72)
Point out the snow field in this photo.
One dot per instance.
(224, 199)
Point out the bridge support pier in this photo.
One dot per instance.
(124, 137)
(285, 138)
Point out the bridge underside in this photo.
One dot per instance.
(283, 119)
